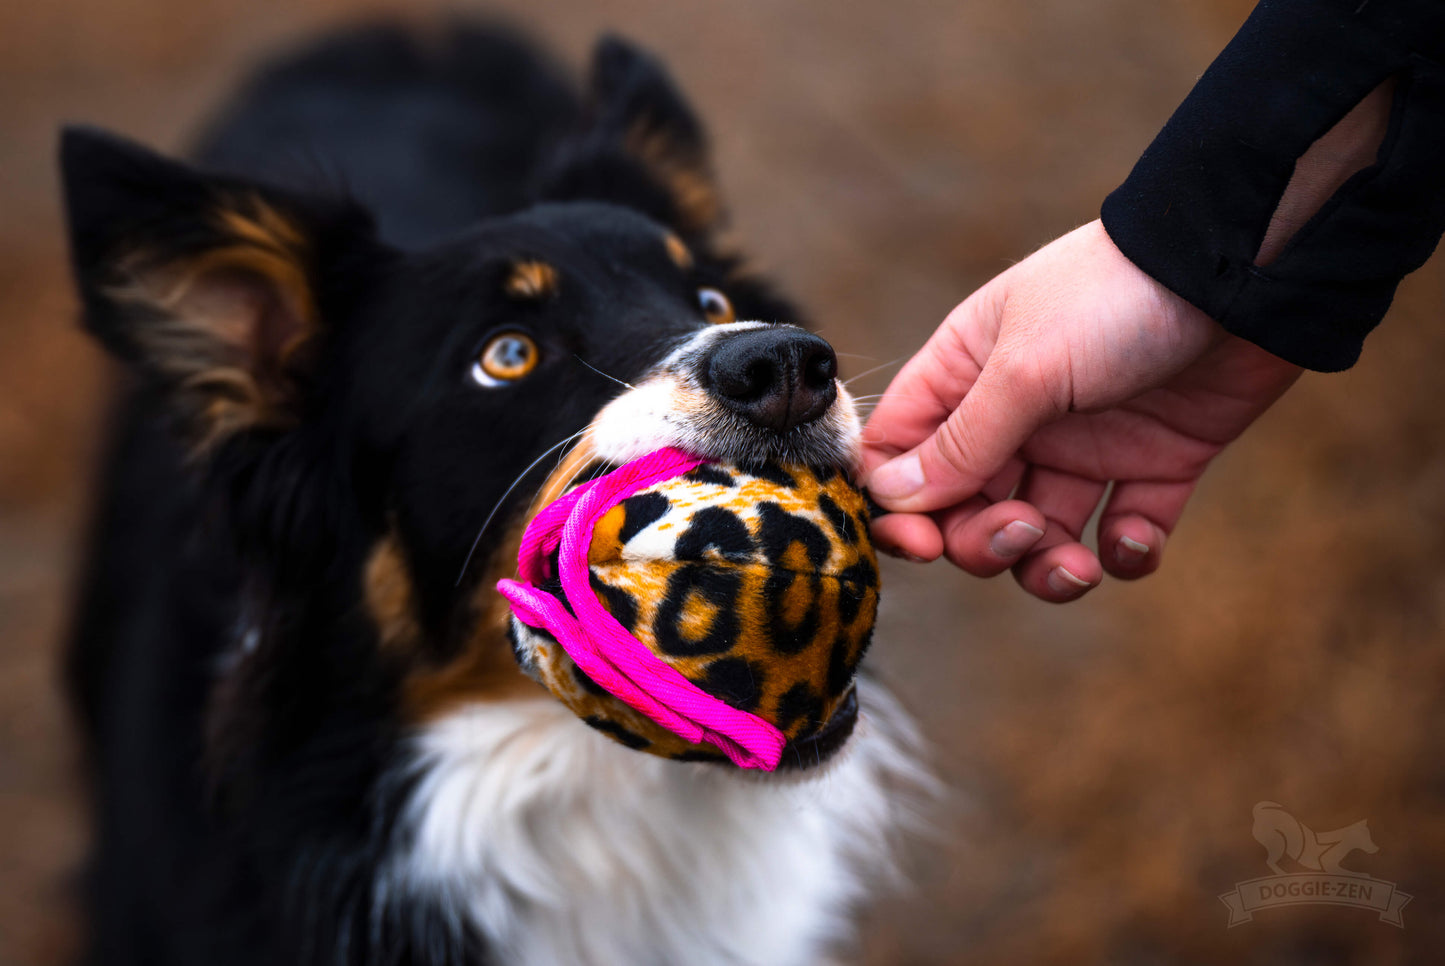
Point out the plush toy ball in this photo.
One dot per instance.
(699, 610)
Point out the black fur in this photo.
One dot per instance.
(242, 818)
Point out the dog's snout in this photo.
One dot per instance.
(777, 378)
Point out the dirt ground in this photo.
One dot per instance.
(882, 160)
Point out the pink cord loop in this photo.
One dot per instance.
(618, 662)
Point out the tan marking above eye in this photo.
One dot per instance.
(531, 280)
(506, 358)
(678, 252)
(716, 307)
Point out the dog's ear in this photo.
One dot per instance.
(640, 145)
(211, 285)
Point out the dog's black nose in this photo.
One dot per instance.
(778, 377)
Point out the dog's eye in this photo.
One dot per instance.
(506, 358)
(715, 306)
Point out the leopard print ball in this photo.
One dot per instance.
(758, 585)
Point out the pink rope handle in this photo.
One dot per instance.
(618, 662)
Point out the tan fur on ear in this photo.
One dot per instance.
(277, 249)
(224, 325)
(683, 173)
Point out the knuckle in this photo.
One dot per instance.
(956, 445)
(975, 565)
(967, 551)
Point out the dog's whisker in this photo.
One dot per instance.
(869, 372)
(601, 373)
(593, 470)
(521, 476)
(571, 479)
(874, 397)
(865, 406)
(563, 454)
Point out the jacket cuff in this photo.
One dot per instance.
(1195, 208)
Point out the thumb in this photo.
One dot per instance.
(993, 420)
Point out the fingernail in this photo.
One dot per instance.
(1130, 551)
(1014, 539)
(903, 554)
(1062, 582)
(898, 479)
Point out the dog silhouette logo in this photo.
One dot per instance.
(1317, 875)
(1282, 835)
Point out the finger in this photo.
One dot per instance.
(1006, 481)
(1132, 548)
(909, 536)
(1060, 567)
(926, 390)
(1135, 523)
(1067, 501)
(976, 441)
(919, 537)
(985, 539)
(1060, 573)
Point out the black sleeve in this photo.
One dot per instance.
(1194, 210)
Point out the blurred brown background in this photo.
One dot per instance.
(882, 160)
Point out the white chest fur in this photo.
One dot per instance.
(565, 849)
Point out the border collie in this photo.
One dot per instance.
(401, 273)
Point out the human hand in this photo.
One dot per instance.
(1068, 371)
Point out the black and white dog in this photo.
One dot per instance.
(310, 741)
